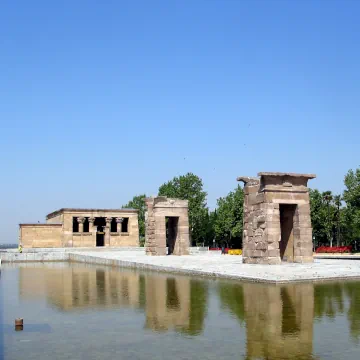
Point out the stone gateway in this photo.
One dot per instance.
(166, 226)
(277, 223)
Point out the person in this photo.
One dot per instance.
(20, 248)
(222, 249)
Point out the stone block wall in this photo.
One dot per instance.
(277, 223)
(40, 235)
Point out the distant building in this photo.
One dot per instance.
(83, 228)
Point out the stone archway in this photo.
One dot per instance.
(166, 223)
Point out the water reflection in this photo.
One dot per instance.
(78, 287)
(331, 300)
(177, 303)
(279, 319)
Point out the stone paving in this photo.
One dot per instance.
(226, 266)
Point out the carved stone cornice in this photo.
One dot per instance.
(248, 180)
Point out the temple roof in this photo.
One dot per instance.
(62, 210)
(308, 176)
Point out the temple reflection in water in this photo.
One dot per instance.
(278, 319)
(81, 287)
(281, 324)
(177, 303)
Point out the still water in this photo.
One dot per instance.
(76, 311)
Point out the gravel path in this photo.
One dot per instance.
(226, 266)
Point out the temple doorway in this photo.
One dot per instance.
(100, 239)
(100, 236)
(287, 213)
(171, 233)
(100, 231)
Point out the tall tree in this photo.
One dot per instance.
(352, 199)
(339, 218)
(328, 198)
(190, 187)
(229, 219)
(324, 216)
(138, 202)
(210, 228)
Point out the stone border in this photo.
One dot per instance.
(337, 257)
(209, 274)
(13, 257)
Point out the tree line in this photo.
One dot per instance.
(335, 217)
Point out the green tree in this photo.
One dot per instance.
(325, 216)
(328, 198)
(138, 202)
(210, 227)
(352, 199)
(229, 218)
(190, 187)
(338, 215)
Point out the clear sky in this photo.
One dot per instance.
(102, 100)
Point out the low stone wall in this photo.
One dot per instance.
(198, 250)
(63, 254)
(29, 257)
(70, 249)
(58, 254)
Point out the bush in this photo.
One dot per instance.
(334, 249)
(235, 252)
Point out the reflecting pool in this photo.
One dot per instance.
(78, 311)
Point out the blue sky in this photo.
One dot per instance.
(104, 100)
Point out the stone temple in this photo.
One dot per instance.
(277, 223)
(83, 228)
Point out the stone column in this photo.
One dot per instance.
(91, 224)
(107, 231)
(119, 221)
(150, 241)
(92, 230)
(81, 223)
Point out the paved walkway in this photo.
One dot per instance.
(226, 266)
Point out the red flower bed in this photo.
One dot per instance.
(334, 249)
